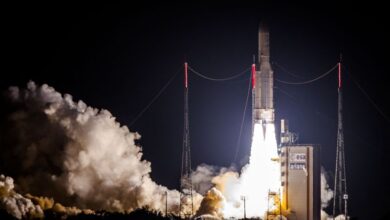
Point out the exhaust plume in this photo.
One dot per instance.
(79, 155)
(260, 176)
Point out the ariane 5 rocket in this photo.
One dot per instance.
(263, 82)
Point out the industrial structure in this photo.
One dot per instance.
(340, 181)
(186, 199)
(300, 177)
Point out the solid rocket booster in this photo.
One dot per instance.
(263, 109)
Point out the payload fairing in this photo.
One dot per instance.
(263, 82)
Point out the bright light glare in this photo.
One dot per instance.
(258, 178)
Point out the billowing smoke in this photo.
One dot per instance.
(14, 203)
(206, 176)
(214, 183)
(326, 191)
(325, 216)
(260, 176)
(56, 147)
(31, 207)
(326, 196)
(212, 204)
(201, 178)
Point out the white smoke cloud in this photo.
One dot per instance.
(82, 156)
(325, 216)
(77, 154)
(203, 176)
(326, 191)
(326, 195)
(340, 217)
(14, 203)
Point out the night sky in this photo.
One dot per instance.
(118, 57)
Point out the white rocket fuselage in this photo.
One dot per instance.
(263, 109)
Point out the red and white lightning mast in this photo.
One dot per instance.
(185, 179)
(340, 183)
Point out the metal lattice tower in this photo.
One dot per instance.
(340, 181)
(253, 79)
(186, 200)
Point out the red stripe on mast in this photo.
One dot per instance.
(253, 76)
(185, 75)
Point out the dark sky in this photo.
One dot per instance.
(118, 57)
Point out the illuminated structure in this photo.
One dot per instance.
(300, 175)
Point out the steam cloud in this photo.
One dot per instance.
(14, 203)
(326, 191)
(81, 156)
(56, 147)
(326, 196)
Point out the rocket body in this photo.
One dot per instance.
(263, 107)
